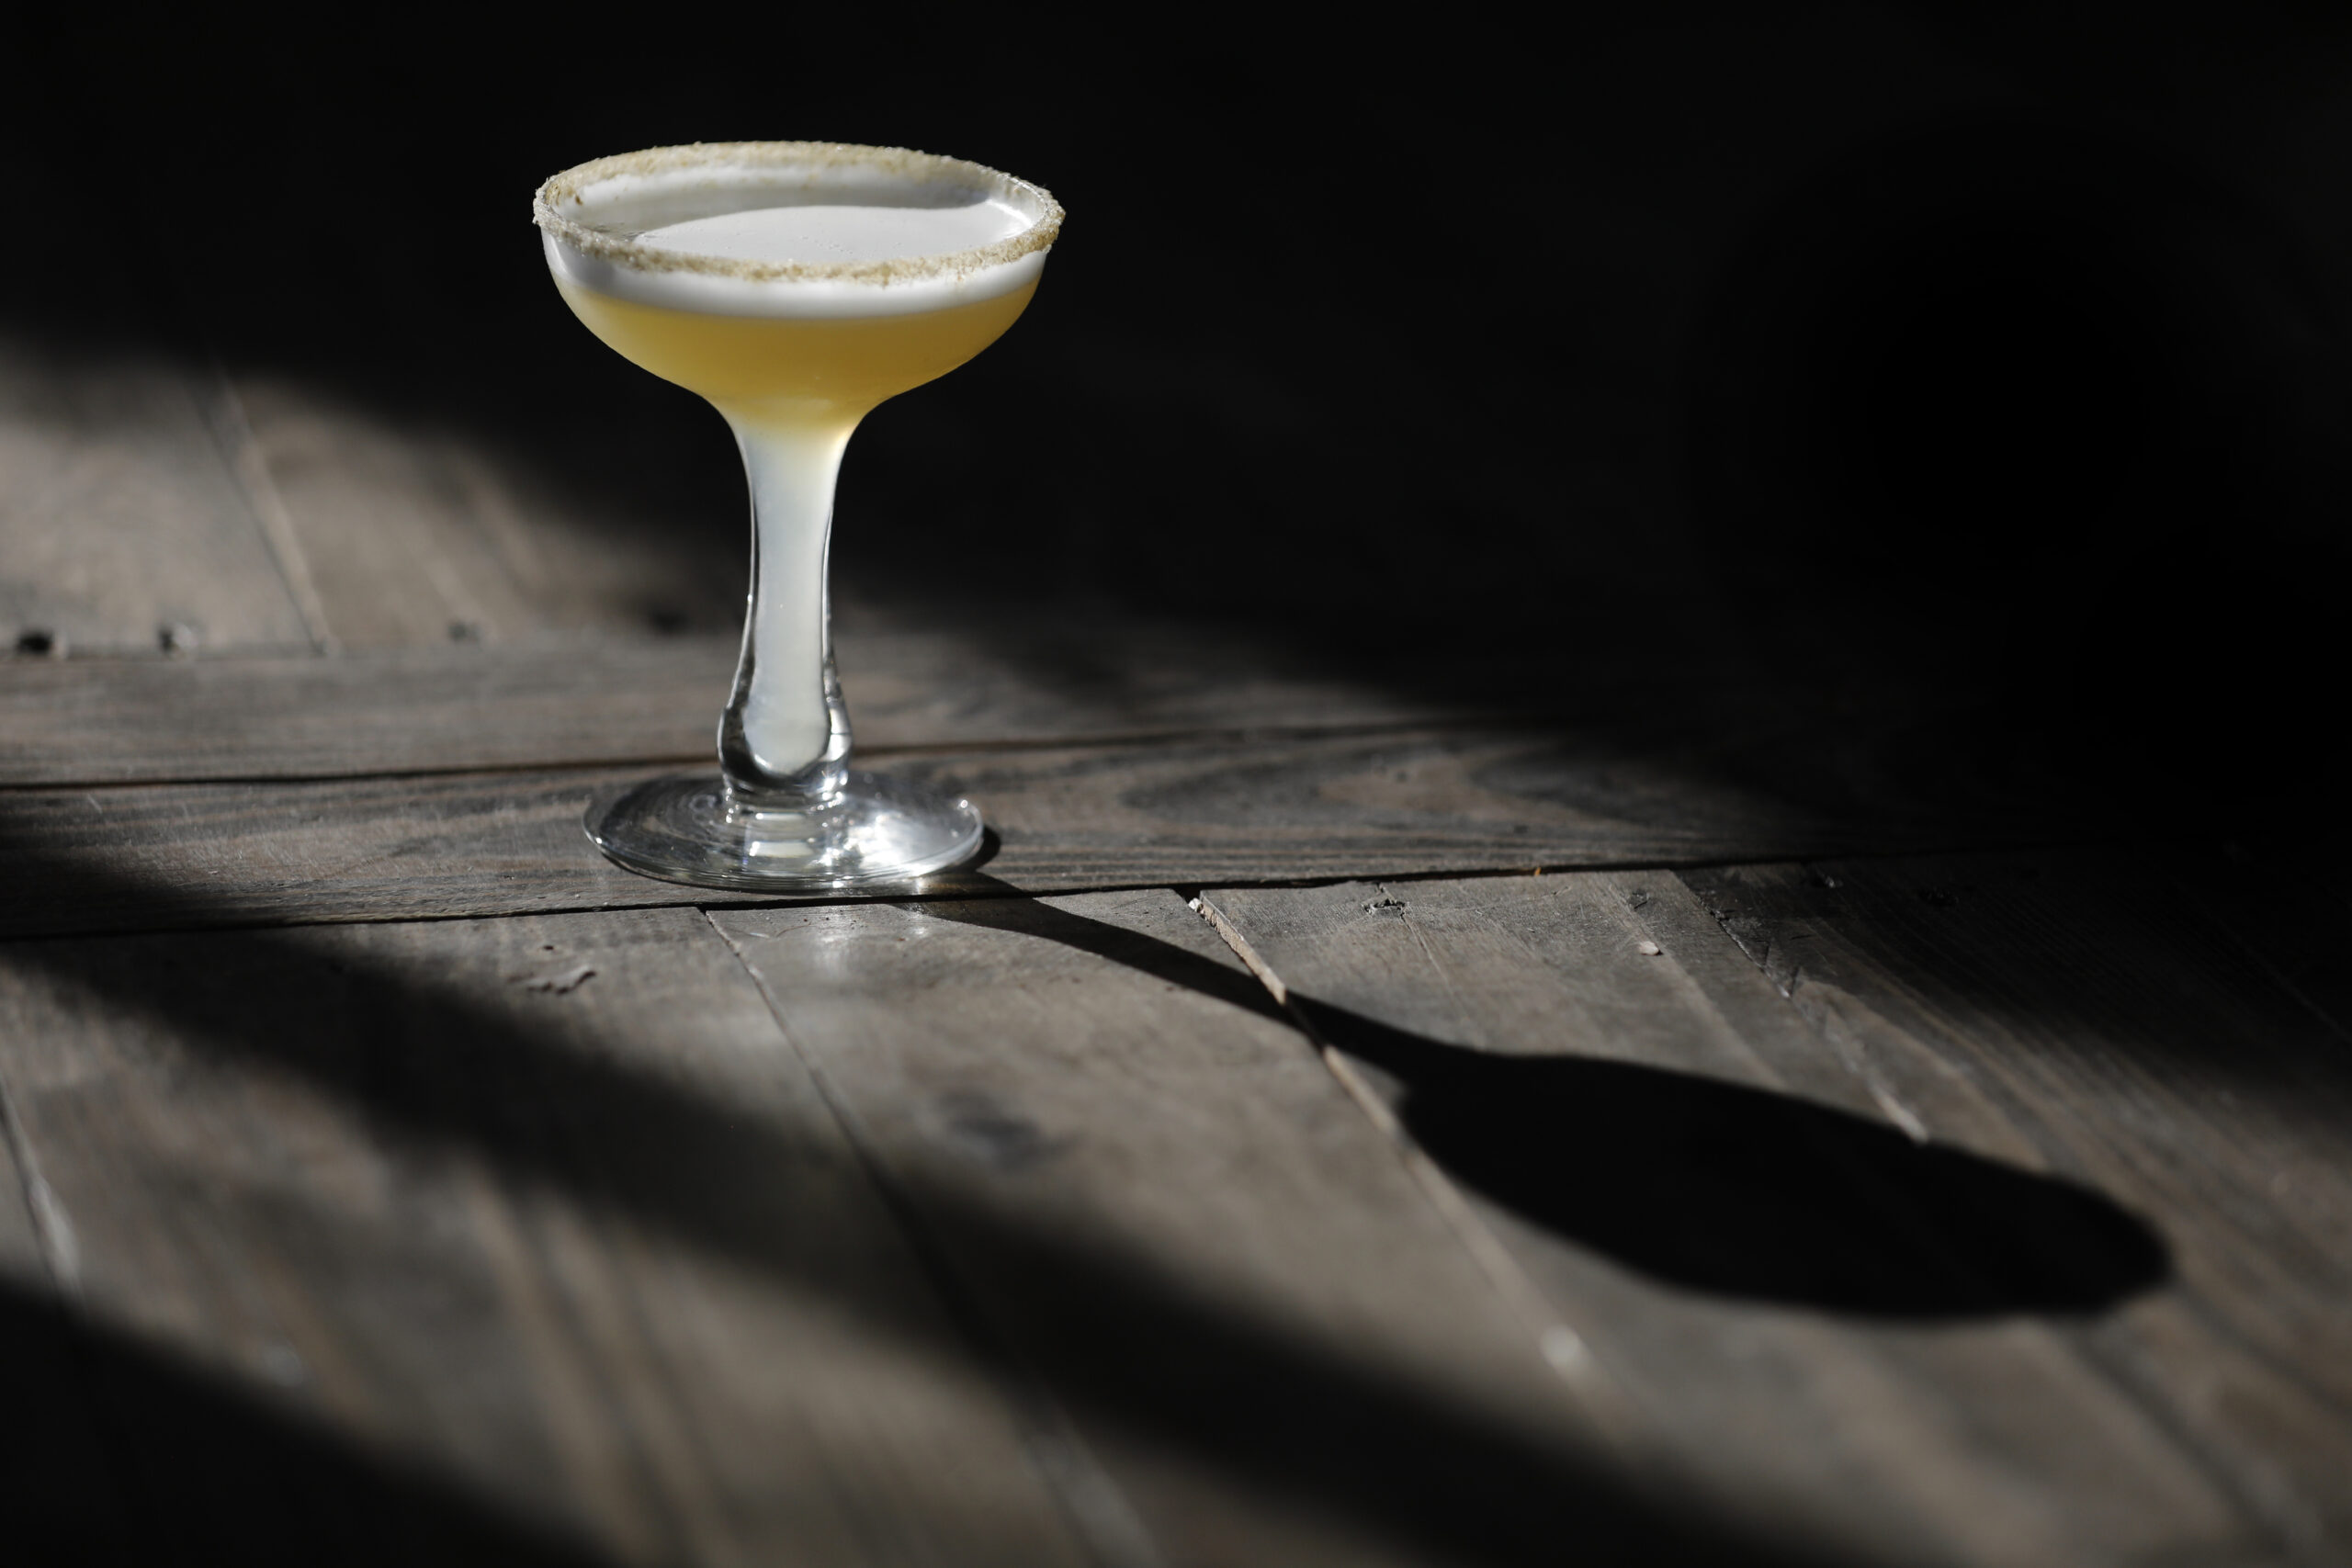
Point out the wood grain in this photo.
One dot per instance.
(1162, 1200)
(2283, 901)
(418, 532)
(525, 1241)
(1180, 812)
(2085, 1011)
(61, 1489)
(1987, 1440)
(121, 512)
(645, 699)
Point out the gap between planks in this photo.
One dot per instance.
(1065, 819)
(866, 751)
(1058, 1448)
(982, 889)
(1562, 1347)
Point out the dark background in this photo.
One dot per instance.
(1996, 352)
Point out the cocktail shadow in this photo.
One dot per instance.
(1748, 1192)
(1716, 1187)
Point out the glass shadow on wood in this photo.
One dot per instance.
(1115, 1339)
(1711, 1186)
(1745, 1193)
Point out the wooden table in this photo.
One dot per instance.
(1347, 1118)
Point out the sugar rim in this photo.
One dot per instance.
(807, 155)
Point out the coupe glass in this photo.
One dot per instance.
(795, 286)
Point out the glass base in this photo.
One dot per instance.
(878, 831)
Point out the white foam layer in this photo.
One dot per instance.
(795, 228)
(830, 233)
(720, 294)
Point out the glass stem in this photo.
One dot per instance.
(783, 740)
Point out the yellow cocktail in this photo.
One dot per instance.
(796, 286)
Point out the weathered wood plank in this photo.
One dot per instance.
(418, 532)
(2125, 1034)
(63, 1501)
(528, 1237)
(1176, 812)
(122, 519)
(1163, 1201)
(1695, 1181)
(442, 709)
(408, 710)
(2285, 903)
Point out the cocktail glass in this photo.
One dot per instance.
(795, 286)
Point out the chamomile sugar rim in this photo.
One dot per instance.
(566, 207)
